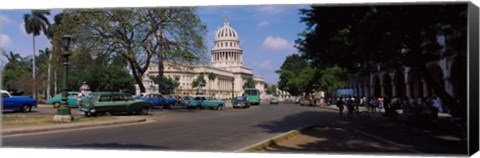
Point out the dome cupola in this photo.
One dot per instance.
(226, 32)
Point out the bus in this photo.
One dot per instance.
(252, 95)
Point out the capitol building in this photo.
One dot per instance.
(226, 65)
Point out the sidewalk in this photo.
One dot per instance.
(359, 135)
(78, 125)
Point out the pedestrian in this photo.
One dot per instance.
(79, 100)
(373, 104)
(340, 104)
(350, 107)
(437, 102)
(357, 102)
(380, 103)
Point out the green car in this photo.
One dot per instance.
(71, 100)
(203, 101)
(113, 102)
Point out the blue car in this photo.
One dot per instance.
(158, 100)
(240, 102)
(202, 102)
(17, 103)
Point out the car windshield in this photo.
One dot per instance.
(239, 98)
(251, 92)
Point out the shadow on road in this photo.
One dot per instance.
(118, 146)
(433, 141)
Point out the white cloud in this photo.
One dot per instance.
(266, 65)
(278, 44)
(271, 9)
(5, 41)
(21, 27)
(263, 24)
(4, 19)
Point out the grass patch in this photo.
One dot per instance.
(22, 121)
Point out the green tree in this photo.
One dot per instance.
(167, 84)
(294, 74)
(140, 36)
(211, 77)
(332, 79)
(16, 72)
(249, 84)
(100, 78)
(35, 23)
(375, 36)
(199, 82)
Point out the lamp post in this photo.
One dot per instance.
(233, 88)
(63, 112)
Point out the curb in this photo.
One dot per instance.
(277, 139)
(69, 126)
(272, 141)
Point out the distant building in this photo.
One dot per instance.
(226, 65)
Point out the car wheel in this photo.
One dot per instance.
(144, 111)
(26, 108)
(56, 104)
(88, 114)
(198, 107)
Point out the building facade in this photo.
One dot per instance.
(229, 74)
(450, 72)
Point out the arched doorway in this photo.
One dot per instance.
(416, 85)
(387, 84)
(399, 80)
(376, 87)
(437, 75)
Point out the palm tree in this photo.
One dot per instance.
(50, 32)
(35, 22)
(211, 77)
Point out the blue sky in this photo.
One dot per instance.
(266, 33)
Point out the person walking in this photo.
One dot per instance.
(340, 104)
(350, 107)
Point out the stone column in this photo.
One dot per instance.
(394, 89)
(408, 90)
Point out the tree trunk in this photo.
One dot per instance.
(457, 110)
(48, 75)
(160, 72)
(55, 83)
(33, 69)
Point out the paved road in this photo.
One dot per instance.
(183, 129)
(228, 130)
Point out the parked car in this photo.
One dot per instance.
(17, 103)
(240, 102)
(306, 102)
(113, 102)
(158, 100)
(274, 100)
(203, 101)
(71, 100)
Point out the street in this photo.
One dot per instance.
(226, 130)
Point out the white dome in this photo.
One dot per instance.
(226, 32)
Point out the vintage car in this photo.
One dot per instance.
(71, 100)
(17, 103)
(240, 102)
(274, 100)
(203, 101)
(158, 100)
(113, 102)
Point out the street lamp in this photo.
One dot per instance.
(233, 88)
(63, 112)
